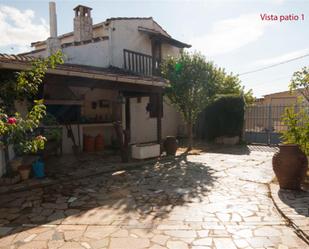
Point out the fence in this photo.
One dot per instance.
(263, 123)
(141, 64)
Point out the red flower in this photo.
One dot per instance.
(12, 120)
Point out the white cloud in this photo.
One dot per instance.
(230, 34)
(283, 57)
(18, 29)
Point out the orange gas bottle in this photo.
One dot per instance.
(88, 143)
(99, 143)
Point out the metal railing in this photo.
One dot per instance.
(264, 124)
(141, 64)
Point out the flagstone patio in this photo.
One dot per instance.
(218, 199)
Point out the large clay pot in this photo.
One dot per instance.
(170, 145)
(24, 171)
(290, 165)
(15, 163)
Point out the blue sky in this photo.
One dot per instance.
(230, 33)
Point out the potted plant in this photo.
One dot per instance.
(290, 164)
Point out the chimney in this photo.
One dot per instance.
(52, 19)
(53, 43)
(82, 23)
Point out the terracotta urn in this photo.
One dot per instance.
(170, 145)
(24, 171)
(290, 165)
(15, 163)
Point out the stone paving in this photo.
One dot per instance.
(295, 206)
(213, 200)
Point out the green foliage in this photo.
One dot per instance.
(15, 129)
(194, 83)
(191, 83)
(297, 123)
(51, 133)
(25, 84)
(300, 82)
(223, 117)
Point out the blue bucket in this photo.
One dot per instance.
(38, 169)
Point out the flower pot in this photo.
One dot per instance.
(290, 165)
(15, 163)
(24, 171)
(38, 169)
(170, 145)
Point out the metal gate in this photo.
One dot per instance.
(263, 124)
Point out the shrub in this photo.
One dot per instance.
(223, 117)
(297, 132)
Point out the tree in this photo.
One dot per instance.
(194, 83)
(300, 82)
(15, 129)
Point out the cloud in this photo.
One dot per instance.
(283, 57)
(230, 34)
(18, 29)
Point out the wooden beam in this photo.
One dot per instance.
(104, 84)
(159, 118)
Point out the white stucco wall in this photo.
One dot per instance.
(2, 163)
(2, 159)
(91, 54)
(124, 34)
(144, 128)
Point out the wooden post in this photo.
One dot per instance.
(159, 123)
(128, 117)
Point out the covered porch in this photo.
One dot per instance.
(87, 101)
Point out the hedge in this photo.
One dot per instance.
(223, 117)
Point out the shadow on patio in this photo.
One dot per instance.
(242, 149)
(139, 197)
(296, 200)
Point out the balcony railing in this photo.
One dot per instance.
(141, 64)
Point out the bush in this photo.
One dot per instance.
(223, 117)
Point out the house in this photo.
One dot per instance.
(284, 98)
(111, 73)
(264, 119)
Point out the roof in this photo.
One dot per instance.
(102, 23)
(83, 6)
(23, 62)
(160, 36)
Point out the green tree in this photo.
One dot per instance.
(296, 118)
(194, 83)
(15, 129)
(300, 82)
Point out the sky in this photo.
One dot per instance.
(231, 33)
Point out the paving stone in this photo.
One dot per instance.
(224, 243)
(99, 232)
(70, 245)
(5, 230)
(34, 244)
(177, 245)
(181, 233)
(211, 200)
(129, 243)
(203, 242)
(160, 239)
(98, 244)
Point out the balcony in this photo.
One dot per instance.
(141, 64)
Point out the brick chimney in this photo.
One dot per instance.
(82, 23)
(53, 43)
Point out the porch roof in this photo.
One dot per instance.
(98, 74)
(159, 36)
